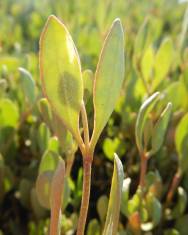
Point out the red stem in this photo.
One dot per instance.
(143, 170)
(87, 161)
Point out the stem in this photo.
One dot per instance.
(87, 161)
(173, 187)
(85, 124)
(144, 161)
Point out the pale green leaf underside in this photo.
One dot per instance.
(108, 78)
(112, 218)
(61, 73)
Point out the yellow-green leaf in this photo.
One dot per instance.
(112, 219)
(60, 72)
(163, 61)
(108, 78)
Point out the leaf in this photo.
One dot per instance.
(181, 141)
(60, 72)
(125, 196)
(49, 161)
(160, 128)
(102, 206)
(43, 188)
(9, 115)
(93, 227)
(108, 78)
(142, 117)
(46, 112)
(147, 63)
(57, 189)
(181, 203)
(43, 137)
(163, 61)
(112, 218)
(28, 85)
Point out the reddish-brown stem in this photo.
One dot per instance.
(173, 187)
(87, 161)
(144, 161)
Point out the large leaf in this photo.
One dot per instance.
(108, 78)
(60, 72)
(112, 218)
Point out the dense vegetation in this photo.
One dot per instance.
(156, 57)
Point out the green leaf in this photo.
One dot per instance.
(171, 232)
(147, 63)
(142, 117)
(108, 78)
(181, 203)
(46, 111)
(49, 161)
(163, 61)
(43, 188)
(181, 140)
(102, 206)
(112, 218)
(60, 72)
(125, 196)
(154, 209)
(43, 137)
(93, 227)
(28, 85)
(9, 114)
(160, 128)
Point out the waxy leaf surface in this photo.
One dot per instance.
(60, 72)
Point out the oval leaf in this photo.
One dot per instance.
(112, 218)
(108, 78)
(60, 72)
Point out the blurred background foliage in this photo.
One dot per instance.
(156, 60)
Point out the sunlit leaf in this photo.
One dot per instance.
(28, 84)
(125, 196)
(93, 227)
(60, 72)
(112, 218)
(108, 78)
(163, 61)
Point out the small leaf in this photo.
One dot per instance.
(163, 61)
(43, 137)
(57, 189)
(125, 196)
(142, 117)
(160, 128)
(46, 112)
(108, 78)
(181, 203)
(181, 140)
(102, 206)
(93, 227)
(147, 63)
(43, 188)
(49, 161)
(112, 218)
(28, 85)
(60, 72)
